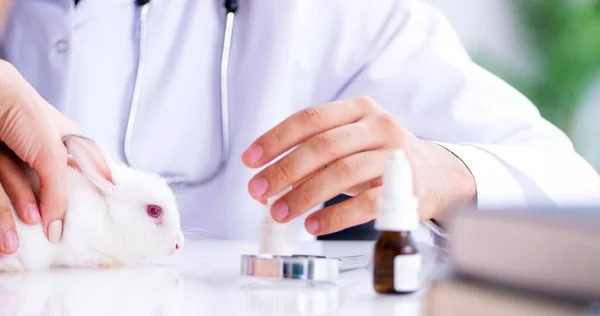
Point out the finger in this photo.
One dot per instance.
(19, 190)
(310, 176)
(294, 185)
(314, 154)
(352, 212)
(50, 164)
(303, 125)
(8, 237)
(336, 178)
(358, 189)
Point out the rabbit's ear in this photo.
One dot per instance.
(87, 158)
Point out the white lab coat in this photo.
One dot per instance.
(286, 55)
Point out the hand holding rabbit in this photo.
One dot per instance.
(115, 216)
(30, 131)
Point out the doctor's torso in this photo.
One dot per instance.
(285, 56)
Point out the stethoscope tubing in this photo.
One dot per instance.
(179, 182)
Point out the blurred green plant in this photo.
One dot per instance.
(565, 39)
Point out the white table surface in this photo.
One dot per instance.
(204, 279)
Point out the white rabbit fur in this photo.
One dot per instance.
(106, 223)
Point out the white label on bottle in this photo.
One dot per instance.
(407, 270)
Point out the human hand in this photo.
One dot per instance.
(342, 148)
(30, 133)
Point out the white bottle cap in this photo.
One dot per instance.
(397, 205)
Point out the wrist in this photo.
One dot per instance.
(465, 181)
(458, 187)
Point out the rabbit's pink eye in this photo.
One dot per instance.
(154, 211)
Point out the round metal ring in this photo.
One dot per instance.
(303, 267)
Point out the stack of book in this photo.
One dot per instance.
(521, 262)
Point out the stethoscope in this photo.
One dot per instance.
(177, 181)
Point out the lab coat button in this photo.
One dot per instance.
(61, 46)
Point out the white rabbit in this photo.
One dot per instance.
(115, 216)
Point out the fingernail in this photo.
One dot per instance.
(258, 187)
(312, 225)
(280, 210)
(33, 213)
(9, 242)
(55, 231)
(252, 155)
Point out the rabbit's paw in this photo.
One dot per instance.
(10, 264)
(105, 263)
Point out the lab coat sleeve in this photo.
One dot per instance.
(419, 71)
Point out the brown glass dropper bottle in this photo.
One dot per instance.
(397, 261)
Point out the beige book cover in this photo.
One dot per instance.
(556, 251)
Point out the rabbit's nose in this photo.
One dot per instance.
(179, 243)
(175, 249)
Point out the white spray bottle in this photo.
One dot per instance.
(397, 261)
